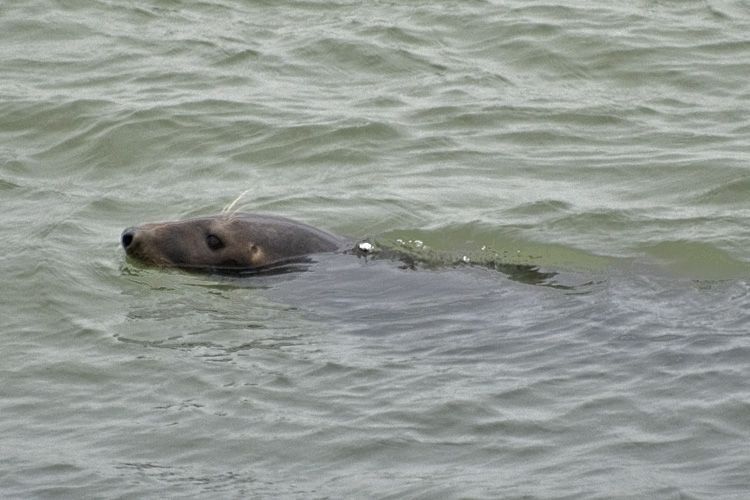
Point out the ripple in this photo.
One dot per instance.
(727, 193)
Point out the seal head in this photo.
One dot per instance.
(227, 242)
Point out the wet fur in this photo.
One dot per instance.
(248, 242)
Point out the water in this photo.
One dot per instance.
(604, 145)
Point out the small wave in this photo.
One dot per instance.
(541, 208)
(730, 193)
(698, 260)
(8, 185)
(319, 142)
(498, 249)
(346, 55)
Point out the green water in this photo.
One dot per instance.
(606, 145)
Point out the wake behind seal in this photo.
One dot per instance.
(233, 242)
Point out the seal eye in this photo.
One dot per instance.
(213, 242)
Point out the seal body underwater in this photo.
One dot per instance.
(232, 242)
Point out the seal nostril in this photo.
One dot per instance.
(127, 238)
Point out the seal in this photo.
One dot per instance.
(233, 242)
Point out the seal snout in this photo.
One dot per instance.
(127, 237)
(139, 245)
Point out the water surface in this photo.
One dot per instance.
(602, 149)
